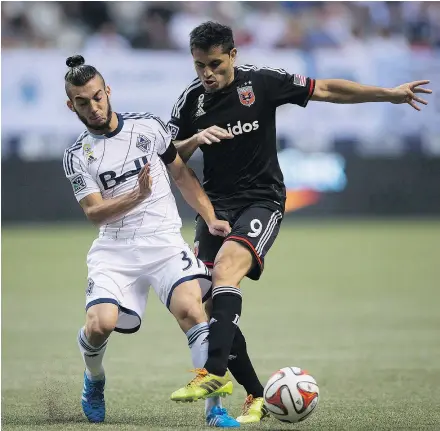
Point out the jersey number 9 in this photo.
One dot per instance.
(256, 228)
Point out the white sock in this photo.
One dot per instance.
(198, 343)
(92, 356)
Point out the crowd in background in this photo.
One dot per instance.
(166, 25)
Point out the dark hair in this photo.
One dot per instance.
(210, 34)
(79, 73)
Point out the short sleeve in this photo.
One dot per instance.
(180, 124)
(76, 172)
(181, 127)
(283, 88)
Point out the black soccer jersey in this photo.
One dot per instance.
(244, 169)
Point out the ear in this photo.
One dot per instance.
(70, 105)
(108, 90)
(233, 55)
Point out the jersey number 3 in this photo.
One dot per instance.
(188, 261)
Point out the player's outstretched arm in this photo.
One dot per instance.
(208, 136)
(193, 193)
(101, 211)
(343, 91)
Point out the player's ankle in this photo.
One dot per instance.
(257, 393)
(95, 375)
(220, 372)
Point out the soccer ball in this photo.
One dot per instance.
(291, 395)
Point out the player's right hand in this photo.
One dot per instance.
(212, 134)
(145, 182)
(219, 228)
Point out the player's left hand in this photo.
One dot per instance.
(219, 228)
(406, 93)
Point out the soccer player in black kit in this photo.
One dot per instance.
(229, 112)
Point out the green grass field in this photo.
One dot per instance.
(354, 303)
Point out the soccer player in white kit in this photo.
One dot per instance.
(118, 171)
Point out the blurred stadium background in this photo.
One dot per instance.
(350, 291)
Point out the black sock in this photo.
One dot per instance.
(241, 366)
(226, 310)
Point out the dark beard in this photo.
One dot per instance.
(104, 127)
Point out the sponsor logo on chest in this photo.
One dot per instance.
(239, 129)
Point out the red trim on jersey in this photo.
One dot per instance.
(209, 264)
(312, 87)
(239, 238)
(311, 90)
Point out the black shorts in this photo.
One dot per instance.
(255, 226)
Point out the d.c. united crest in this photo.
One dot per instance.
(246, 95)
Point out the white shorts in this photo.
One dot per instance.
(121, 271)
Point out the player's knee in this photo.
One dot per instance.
(186, 305)
(224, 266)
(192, 313)
(189, 312)
(231, 264)
(99, 326)
(229, 271)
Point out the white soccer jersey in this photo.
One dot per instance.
(109, 164)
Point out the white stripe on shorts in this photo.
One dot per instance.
(268, 231)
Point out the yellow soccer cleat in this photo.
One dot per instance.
(254, 410)
(204, 385)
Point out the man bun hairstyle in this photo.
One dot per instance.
(79, 73)
(211, 34)
(75, 60)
